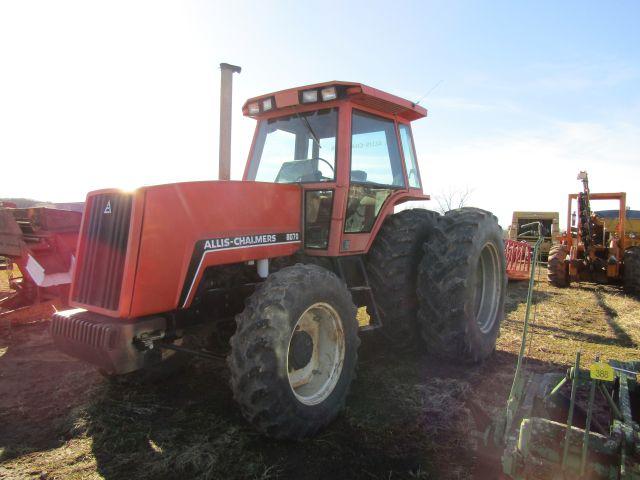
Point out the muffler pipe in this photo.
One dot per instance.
(226, 90)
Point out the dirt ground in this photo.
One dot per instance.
(408, 414)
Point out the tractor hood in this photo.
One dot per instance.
(145, 252)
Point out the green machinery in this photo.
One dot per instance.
(578, 425)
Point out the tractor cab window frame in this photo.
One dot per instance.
(296, 148)
(376, 169)
(409, 153)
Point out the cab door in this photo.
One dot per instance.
(318, 141)
(376, 174)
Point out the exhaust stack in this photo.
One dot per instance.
(226, 83)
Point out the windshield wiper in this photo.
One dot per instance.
(311, 132)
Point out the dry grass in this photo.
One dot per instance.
(595, 319)
(408, 414)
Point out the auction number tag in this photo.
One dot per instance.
(602, 371)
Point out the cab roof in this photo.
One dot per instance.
(358, 93)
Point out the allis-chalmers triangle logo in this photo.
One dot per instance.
(107, 209)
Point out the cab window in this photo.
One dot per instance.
(299, 148)
(376, 170)
(318, 206)
(409, 156)
(375, 156)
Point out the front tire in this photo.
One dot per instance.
(392, 266)
(557, 271)
(462, 285)
(631, 272)
(294, 353)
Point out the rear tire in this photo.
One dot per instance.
(557, 272)
(631, 272)
(294, 353)
(392, 266)
(462, 285)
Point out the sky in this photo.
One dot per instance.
(521, 95)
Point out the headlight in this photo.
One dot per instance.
(254, 109)
(267, 104)
(329, 93)
(309, 96)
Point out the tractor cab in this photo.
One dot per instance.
(349, 147)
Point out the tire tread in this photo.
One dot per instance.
(443, 277)
(392, 270)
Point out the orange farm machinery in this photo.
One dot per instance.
(589, 251)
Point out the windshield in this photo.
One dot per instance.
(296, 148)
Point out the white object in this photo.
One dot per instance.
(262, 266)
(40, 277)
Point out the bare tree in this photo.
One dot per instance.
(453, 198)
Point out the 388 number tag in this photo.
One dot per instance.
(602, 371)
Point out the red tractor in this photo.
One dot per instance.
(290, 253)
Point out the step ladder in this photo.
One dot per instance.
(352, 271)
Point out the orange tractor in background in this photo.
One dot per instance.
(588, 251)
(275, 266)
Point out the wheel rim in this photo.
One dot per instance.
(315, 354)
(488, 287)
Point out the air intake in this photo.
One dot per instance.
(103, 250)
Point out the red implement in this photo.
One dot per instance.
(518, 256)
(41, 243)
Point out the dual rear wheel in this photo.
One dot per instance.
(440, 278)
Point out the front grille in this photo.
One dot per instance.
(82, 330)
(104, 247)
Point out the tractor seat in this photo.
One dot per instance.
(312, 177)
(358, 176)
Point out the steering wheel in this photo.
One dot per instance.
(299, 179)
(333, 172)
(325, 161)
